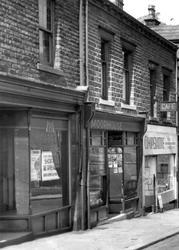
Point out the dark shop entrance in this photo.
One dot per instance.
(123, 169)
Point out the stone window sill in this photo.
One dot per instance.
(49, 69)
(106, 102)
(127, 106)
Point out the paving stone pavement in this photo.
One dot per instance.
(128, 234)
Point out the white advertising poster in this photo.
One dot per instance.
(48, 167)
(160, 140)
(35, 165)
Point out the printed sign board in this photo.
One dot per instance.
(48, 167)
(35, 165)
(168, 106)
(160, 140)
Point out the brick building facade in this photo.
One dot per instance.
(40, 110)
(131, 70)
(80, 85)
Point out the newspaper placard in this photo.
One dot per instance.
(48, 167)
(35, 165)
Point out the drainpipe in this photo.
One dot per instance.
(81, 43)
(177, 179)
(86, 38)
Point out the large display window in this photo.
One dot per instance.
(97, 168)
(49, 163)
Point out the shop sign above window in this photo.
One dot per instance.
(168, 106)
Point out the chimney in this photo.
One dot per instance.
(151, 20)
(151, 11)
(118, 3)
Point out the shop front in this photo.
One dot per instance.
(114, 166)
(38, 144)
(159, 168)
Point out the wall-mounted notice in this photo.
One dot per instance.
(35, 165)
(48, 167)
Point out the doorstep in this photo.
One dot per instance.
(11, 238)
(117, 217)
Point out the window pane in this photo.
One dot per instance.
(130, 172)
(97, 169)
(43, 13)
(49, 164)
(163, 173)
(49, 14)
(97, 192)
(45, 44)
(115, 161)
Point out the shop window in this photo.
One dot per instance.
(49, 164)
(46, 31)
(164, 176)
(130, 172)
(97, 168)
(14, 162)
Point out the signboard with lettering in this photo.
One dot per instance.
(160, 140)
(168, 106)
(48, 167)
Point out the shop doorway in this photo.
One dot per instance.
(13, 161)
(123, 171)
(7, 172)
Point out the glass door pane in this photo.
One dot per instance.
(115, 161)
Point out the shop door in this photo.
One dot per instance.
(7, 176)
(122, 169)
(115, 166)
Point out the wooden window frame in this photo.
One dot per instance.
(104, 67)
(44, 30)
(128, 49)
(106, 38)
(126, 75)
(166, 89)
(153, 68)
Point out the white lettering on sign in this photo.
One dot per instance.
(168, 106)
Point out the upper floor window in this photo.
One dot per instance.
(106, 38)
(126, 76)
(46, 31)
(153, 83)
(152, 90)
(104, 67)
(166, 89)
(127, 58)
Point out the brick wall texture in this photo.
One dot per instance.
(19, 39)
(148, 48)
(19, 50)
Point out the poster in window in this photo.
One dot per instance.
(35, 165)
(48, 167)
